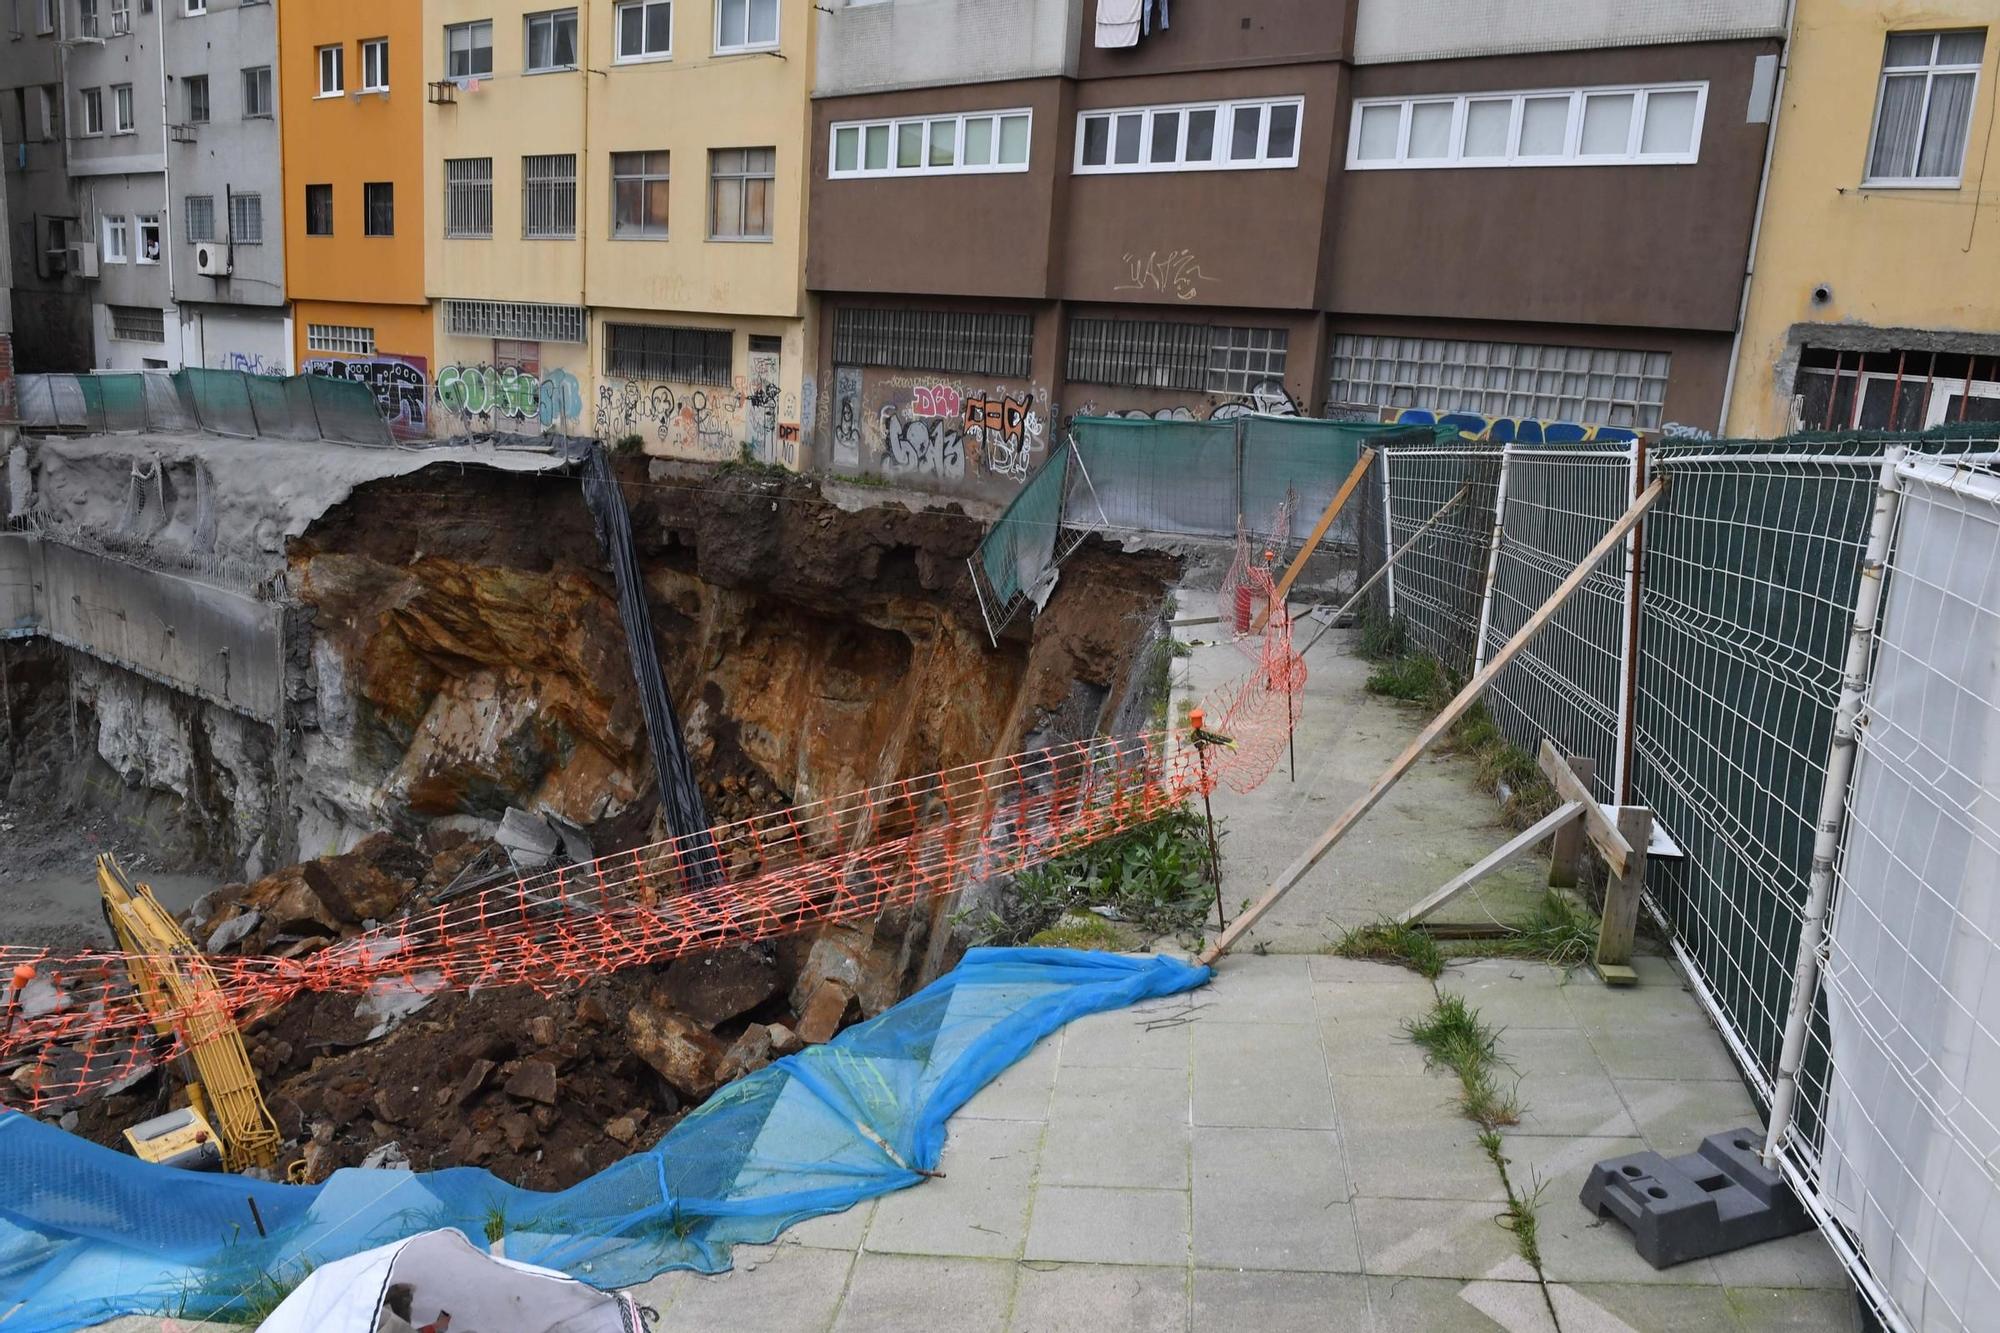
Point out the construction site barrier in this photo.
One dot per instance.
(220, 402)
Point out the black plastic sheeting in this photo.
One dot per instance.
(680, 796)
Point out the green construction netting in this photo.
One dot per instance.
(225, 402)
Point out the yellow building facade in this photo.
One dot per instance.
(615, 246)
(1875, 294)
(354, 163)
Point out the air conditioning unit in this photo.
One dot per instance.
(83, 259)
(212, 260)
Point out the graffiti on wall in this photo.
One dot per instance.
(760, 406)
(712, 421)
(1514, 430)
(486, 397)
(400, 386)
(1268, 397)
(1174, 273)
(942, 427)
(926, 446)
(847, 416)
(1005, 432)
(251, 363)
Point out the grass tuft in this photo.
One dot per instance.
(1560, 931)
(1076, 932)
(1393, 942)
(1453, 1038)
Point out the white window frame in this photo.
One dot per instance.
(551, 18)
(1930, 72)
(1225, 119)
(45, 17)
(194, 7)
(620, 57)
(450, 31)
(117, 225)
(726, 48)
(91, 121)
(123, 117)
(374, 80)
(337, 67)
(1937, 412)
(50, 93)
(959, 167)
(341, 339)
(1572, 154)
(121, 17)
(140, 221)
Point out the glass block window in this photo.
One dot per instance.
(1242, 359)
(1589, 385)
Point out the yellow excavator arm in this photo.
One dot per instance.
(179, 989)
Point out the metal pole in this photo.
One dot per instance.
(1492, 561)
(1388, 536)
(1833, 799)
(1628, 650)
(1387, 568)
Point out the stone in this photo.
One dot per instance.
(534, 1081)
(475, 1079)
(321, 1159)
(370, 881)
(342, 1107)
(529, 840)
(289, 905)
(519, 1129)
(389, 1157)
(591, 1009)
(396, 1102)
(784, 1041)
(829, 1009)
(868, 968)
(542, 1030)
(680, 1049)
(234, 930)
(624, 1129)
(749, 1052)
(713, 988)
(545, 1118)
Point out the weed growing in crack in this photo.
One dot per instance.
(1560, 931)
(1520, 1217)
(1393, 942)
(1453, 1037)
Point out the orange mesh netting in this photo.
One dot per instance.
(71, 1025)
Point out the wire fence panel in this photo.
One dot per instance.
(1438, 585)
(1569, 683)
(1898, 1136)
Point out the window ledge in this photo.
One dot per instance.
(551, 69)
(328, 97)
(760, 49)
(743, 240)
(1935, 183)
(661, 237)
(660, 59)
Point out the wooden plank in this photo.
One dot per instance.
(1611, 844)
(1333, 508)
(1566, 857)
(1340, 613)
(1621, 896)
(1557, 821)
(1617, 974)
(1440, 724)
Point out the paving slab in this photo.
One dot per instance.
(900, 1293)
(1099, 1298)
(1125, 1039)
(978, 1209)
(1405, 1139)
(1119, 1095)
(1282, 1302)
(1272, 1198)
(1674, 1116)
(788, 1289)
(1447, 1305)
(1102, 1150)
(1275, 990)
(1233, 1067)
(1641, 1308)
(1513, 994)
(1109, 1226)
(1791, 1310)
(1022, 1092)
(1438, 1238)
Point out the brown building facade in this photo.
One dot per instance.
(1293, 207)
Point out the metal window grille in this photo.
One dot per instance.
(977, 343)
(662, 352)
(201, 217)
(1599, 385)
(1140, 353)
(468, 196)
(522, 320)
(379, 208)
(350, 338)
(740, 184)
(138, 324)
(548, 197)
(257, 91)
(1244, 358)
(246, 219)
(319, 210)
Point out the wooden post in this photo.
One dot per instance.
(1566, 857)
(1440, 724)
(1332, 511)
(1602, 829)
(1621, 900)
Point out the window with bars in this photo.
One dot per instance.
(1588, 385)
(971, 342)
(663, 352)
(524, 321)
(468, 196)
(740, 183)
(200, 209)
(1140, 353)
(257, 92)
(351, 339)
(548, 197)
(639, 195)
(378, 208)
(138, 324)
(319, 210)
(246, 219)
(195, 86)
(1923, 107)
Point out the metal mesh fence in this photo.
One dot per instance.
(224, 402)
(1435, 589)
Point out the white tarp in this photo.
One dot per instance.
(1911, 1149)
(445, 1272)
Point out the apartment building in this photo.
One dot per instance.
(50, 305)
(617, 220)
(351, 95)
(1876, 297)
(224, 233)
(1536, 223)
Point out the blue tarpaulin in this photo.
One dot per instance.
(87, 1233)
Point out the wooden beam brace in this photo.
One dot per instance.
(1566, 857)
(1333, 508)
(1610, 843)
(1555, 821)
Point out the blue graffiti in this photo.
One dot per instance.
(1517, 430)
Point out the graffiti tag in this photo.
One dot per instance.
(1174, 273)
(499, 396)
(1515, 430)
(400, 386)
(925, 445)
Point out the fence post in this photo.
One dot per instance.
(1628, 675)
(1388, 532)
(1833, 800)
(1492, 561)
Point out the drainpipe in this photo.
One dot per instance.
(1757, 224)
(167, 190)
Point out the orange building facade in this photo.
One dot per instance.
(352, 83)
